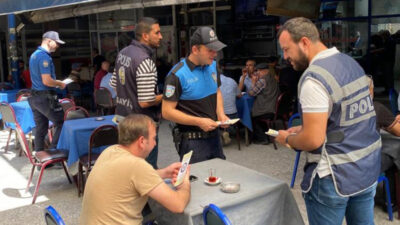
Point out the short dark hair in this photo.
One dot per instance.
(132, 127)
(299, 27)
(144, 26)
(95, 50)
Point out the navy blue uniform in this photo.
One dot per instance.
(44, 101)
(195, 90)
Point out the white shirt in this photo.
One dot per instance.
(314, 98)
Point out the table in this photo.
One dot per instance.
(8, 95)
(261, 200)
(244, 105)
(75, 135)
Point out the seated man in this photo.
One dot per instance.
(105, 66)
(229, 91)
(105, 83)
(247, 75)
(75, 72)
(266, 91)
(121, 180)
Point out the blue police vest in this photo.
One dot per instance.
(352, 145)
(199, 83)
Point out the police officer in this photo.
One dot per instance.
(135, 79)
(338, 132)
(44, 101)
(193, 100)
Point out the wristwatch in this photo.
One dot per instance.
(287, 138)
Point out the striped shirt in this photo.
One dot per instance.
(146, 81)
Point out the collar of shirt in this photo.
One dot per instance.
(325, 53)
(147, 48)
(190, 64)
(43, 49)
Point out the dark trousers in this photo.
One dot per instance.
(153, 156)
(203, 149)
(260, 128)
(44, 110)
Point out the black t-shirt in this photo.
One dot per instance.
(384, 117)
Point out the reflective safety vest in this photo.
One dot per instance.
(352, 144)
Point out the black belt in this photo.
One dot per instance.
(44, 92)
(199, 134)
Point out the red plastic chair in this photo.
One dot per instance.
(102, 136)
(66, 103)
(42, 159)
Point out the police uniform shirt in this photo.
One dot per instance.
(194, 88)
(41, 63)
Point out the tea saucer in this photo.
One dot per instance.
(218, 181)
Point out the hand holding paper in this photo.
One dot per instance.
(67, 81)
(228, 122)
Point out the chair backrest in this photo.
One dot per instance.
(6, 86)
(102, 136)
(76, 112)
(284, 106)
(7, 112)
(103, 97)
(23, 97)
(67, 103)
(24, 143)
(52, 217)
(23, 91)
(212, 215)
(393, 95)
(294, 120)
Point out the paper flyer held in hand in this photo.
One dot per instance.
(230, 122)
(182, 170)
(67, 81)
(272, 132)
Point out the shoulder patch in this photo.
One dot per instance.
(45, 63)
(176, 68)
(169, 91)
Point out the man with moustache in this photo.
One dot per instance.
(44, 100)
(338, 132)
(193, 99)
(135, 77)
(245, 81)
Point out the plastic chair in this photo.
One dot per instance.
(103, 100)
(23, 95)
(213, 215)
(283, 108)
(393, 95)
(383, 178)
(102, 136)
(42, 159)
(66, 103)
(76, 112)
(52, 217)
(296, 161)
(8, 116)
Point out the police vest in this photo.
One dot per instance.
(126, 64)
(352, 145)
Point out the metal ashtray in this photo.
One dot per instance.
(230, 187)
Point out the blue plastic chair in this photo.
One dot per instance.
(296, 161)
(393, 101)
(212, 215)
(52, 217)
(383, 178)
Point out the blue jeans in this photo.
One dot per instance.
(326, 207)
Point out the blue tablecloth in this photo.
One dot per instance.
(24, 115)
(244, 105)
(8, 95)
(75, 136)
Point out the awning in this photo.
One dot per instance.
(20, 6)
